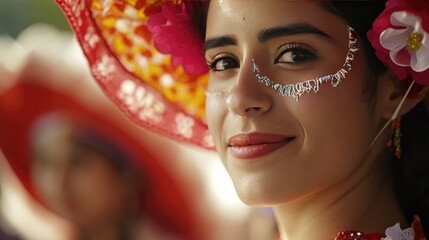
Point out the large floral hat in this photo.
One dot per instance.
(147, 55)
(136, 70)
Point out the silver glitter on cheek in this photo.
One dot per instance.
(296, 90)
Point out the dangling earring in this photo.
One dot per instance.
(395, 142)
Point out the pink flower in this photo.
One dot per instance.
(175, 34)
(400, 37)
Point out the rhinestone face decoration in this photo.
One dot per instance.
(296, 90)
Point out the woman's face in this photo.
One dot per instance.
(277, 149)
(75, 181)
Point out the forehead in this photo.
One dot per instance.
(253, 15)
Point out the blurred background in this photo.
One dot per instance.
(16, 15)
(36, 46)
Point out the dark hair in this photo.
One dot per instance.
(92, 139)
(411, 172)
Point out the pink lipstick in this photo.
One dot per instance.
(252, 145)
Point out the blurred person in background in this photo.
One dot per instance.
(86, 169)
(86, 177)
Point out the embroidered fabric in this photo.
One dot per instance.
(415, 232)
(396, 233)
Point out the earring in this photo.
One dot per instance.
(395, 142)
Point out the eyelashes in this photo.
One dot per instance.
(222, 62)
(289, 54)
(295, 53)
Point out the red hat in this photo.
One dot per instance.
(167, 200)
(151, 88)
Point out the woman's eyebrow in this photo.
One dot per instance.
(288, 30)
(219, 42)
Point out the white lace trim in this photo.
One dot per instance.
(396, 233)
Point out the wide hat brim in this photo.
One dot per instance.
(141, 81)
(167, 200)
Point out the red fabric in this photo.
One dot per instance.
(357, 235)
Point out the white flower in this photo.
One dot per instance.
(184, 125)
(91, 38)
(409, 44)
(141, 102)
(105, 67)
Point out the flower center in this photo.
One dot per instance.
(415, 41)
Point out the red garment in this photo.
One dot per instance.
(416, 226)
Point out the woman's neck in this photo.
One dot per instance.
(364, 202)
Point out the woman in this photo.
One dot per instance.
(299, 107)
(85, 177)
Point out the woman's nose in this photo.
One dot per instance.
(248, 98)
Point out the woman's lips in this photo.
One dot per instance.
(252, 145)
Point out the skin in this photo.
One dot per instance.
(79, 183)
(327, 178)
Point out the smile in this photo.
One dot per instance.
(253, 145)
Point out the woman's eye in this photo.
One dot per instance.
(223, 64)
(293, 54)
